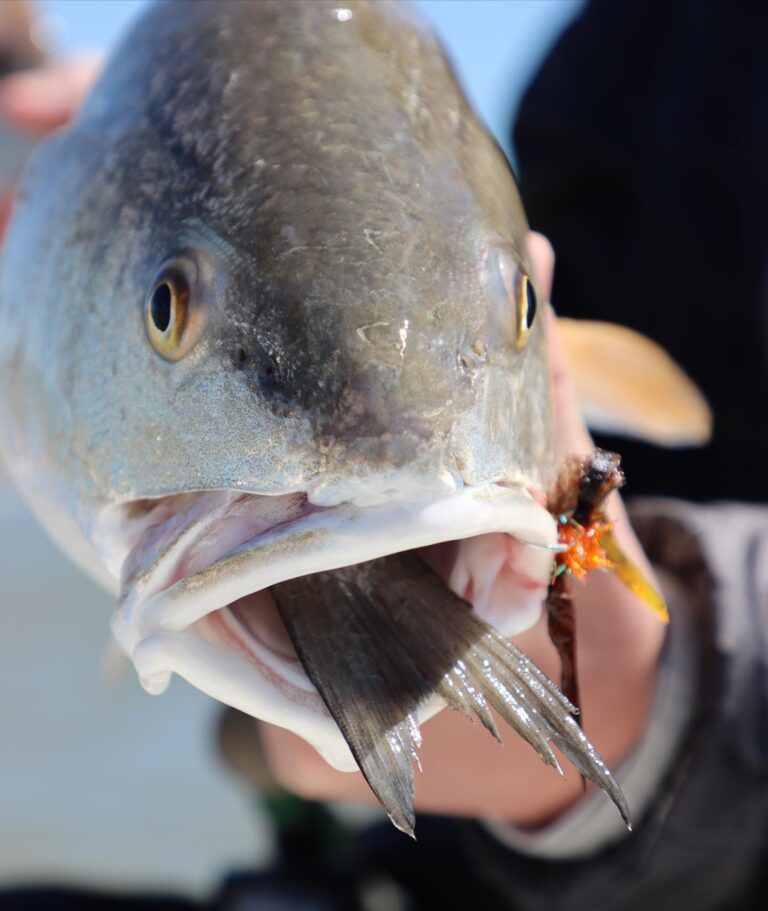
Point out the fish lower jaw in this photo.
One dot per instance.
(218, 627)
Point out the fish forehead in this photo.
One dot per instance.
(353, 191)
(294, 132)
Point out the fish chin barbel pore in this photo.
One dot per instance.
(284, 326)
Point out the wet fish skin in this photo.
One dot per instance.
(350, 231)
(344, 210)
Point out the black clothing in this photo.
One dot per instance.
(643, 153)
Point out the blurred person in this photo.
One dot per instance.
(685, 716)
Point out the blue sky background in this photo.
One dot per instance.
(496, 44)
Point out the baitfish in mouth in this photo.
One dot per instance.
(381, 638)
(349, 624)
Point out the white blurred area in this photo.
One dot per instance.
(100, 784)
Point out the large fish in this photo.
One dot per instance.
(266, 312)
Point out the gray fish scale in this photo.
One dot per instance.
(380, 638)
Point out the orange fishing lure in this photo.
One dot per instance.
(586, 536)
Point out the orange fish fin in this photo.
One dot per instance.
(628, 385)
(631, 576)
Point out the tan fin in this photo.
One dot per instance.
(628, 385)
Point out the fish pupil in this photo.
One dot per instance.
(530, 300)
(160, 307)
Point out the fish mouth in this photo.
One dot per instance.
(198, 570)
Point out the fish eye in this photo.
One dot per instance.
(167, 313)
(527, 305)
(517, 297)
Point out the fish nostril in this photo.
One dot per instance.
(267, 372)
(468, 363)
(268, 375)
(262, 367)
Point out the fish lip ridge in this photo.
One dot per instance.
(320, 535)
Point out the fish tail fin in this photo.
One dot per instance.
(381, 639)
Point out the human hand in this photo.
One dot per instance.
(465, 772)
(41, 100)
(35, 102)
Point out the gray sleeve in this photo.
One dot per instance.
(701, 835)
(593, 823)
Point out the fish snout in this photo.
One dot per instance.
(379, 395)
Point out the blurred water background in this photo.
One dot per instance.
(100, 784)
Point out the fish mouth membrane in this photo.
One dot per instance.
(349, 625)
(199, 572)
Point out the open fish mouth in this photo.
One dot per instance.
(199, 567)
(350, 625)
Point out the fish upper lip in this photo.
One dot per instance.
(324, 539)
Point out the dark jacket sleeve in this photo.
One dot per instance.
(642, 145)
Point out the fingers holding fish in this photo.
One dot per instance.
(38, 100)
(543, 258)
(43, 99)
